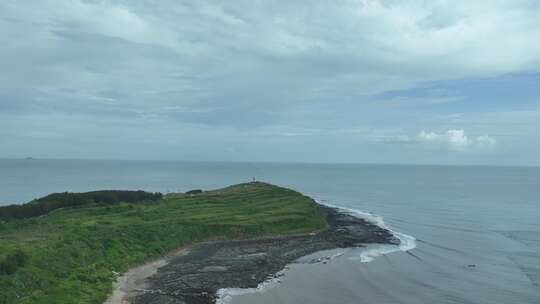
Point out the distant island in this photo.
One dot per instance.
(72, 247)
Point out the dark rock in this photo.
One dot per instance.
(196, 277)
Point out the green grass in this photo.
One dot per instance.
(72, 253)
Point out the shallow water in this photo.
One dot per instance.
(483, 216)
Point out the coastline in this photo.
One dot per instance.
(134, 280)
(198, 274)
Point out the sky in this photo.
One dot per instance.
(359, 81)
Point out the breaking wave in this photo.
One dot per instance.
(371, 251)
(224, 295)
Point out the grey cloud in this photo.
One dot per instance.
(227, 69)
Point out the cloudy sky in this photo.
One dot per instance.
(370, 81)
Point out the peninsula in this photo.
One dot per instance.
(71, 248)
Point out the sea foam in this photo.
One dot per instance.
(224, 295)
(371, 251)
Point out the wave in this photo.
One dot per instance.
(371, 251)
(367, 253)
(224, 295)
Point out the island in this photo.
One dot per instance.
(140, 247)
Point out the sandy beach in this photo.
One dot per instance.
(135, 282)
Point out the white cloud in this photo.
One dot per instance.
(456, 140)
(296, 71)
(485, 141)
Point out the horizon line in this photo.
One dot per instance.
(278, 162)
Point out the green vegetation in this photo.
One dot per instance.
(69, 255)
(12, 262)
(55, 201)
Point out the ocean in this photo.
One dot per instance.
(473, 233)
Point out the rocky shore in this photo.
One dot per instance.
(195, 276)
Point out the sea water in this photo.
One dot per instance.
(472, 234)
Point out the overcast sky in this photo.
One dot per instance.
(372, 81)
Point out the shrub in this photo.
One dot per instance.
(195, 191)
(12, 262)
(55, 201)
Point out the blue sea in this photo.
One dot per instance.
(473, 232)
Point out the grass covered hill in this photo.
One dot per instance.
(71, 255)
